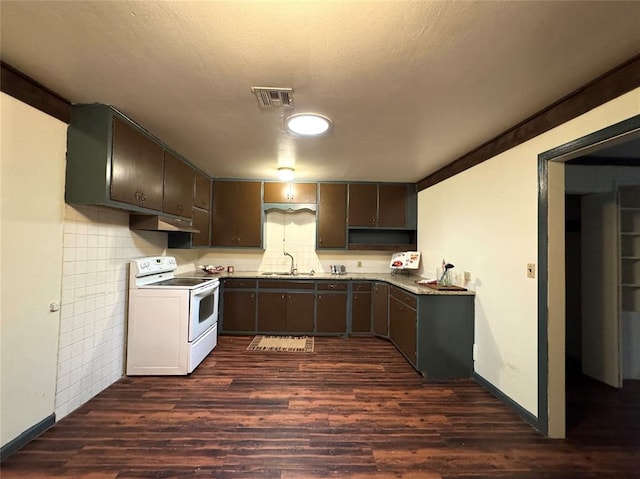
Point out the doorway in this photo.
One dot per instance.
(551, 259)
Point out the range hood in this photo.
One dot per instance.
(290, 207)
(160, 223)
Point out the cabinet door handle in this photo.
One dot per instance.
(139, 195)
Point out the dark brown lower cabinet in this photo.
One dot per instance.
(435, 332)
(272, 311)
(300, 308)
(380, 307)
(286, 311)
(239, 311)
(331, 307)
(403, 323)
(361, 308)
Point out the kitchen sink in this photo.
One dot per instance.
(285, 273)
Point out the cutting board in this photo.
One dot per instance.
(442, 287)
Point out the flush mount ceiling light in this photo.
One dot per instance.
(308, 124)
(286, 173)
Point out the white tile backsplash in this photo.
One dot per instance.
(296, 234)
(98, 246)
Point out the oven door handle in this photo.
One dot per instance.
(207, 290)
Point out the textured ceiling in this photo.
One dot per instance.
(410, 85)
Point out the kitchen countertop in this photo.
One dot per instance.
(405, 282)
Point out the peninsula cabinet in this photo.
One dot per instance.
(178, 186)
(361, 308)
(111, 161)
(380, 309)
(236, 218)
(331, 216)
(331, 307)
(287, 310)
(434, 332)
(403, 323)
(238, 306)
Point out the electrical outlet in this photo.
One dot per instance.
(531, 270)
(467, 276)
(475, 352)
(359, 264)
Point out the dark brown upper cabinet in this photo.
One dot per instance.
(377, 205)
(290, 193)
(363, 204)
(178, 186)
(112, 161)
(392, 205)
(236, 218)
(202, 192)
(332, 216)
(136, 167)
(201, 222)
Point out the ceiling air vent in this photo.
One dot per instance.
(269, 97)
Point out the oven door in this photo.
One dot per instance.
(203, 311)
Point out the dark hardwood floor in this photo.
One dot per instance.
(353, 409)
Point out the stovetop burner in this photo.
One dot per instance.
(181, 282)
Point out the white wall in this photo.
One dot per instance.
(32, 187)
(484, 221)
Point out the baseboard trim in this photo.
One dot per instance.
(28, 435)
(520, 411)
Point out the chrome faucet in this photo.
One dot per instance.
(293, 270)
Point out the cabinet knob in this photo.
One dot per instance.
(180, 207)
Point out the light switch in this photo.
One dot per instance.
(531, 270)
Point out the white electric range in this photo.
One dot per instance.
(173, 322)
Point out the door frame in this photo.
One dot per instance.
(551, 314)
